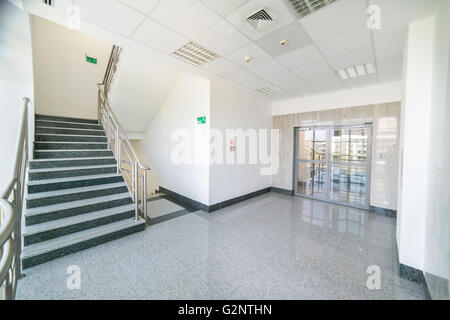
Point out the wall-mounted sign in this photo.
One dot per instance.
(91, 60)
(201, 120)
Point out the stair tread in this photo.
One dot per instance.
(71, 159)
(66, 135)
(72, 150)
(69, 142)
(38, 116)
(76, 178)
(64, 128)
(68, 122)
(72, 168)
(64, 222)
(64, 241)
(74, 204)
(54, 193)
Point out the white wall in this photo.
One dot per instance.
(140, 87)
(375, 94)
(189, 99)
(234, 108)
(423, 200)
(65, 84)
(16, 81)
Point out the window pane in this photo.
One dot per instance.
(312, 144)
(348, 185)
(311, 179)
(349, 145)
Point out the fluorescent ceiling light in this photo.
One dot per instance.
(195, 54)
(270, 91)
(357, 71)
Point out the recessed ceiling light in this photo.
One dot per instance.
(371, 68)
(195, 54)
(270, 91)
(361, 70)
(247, 58)
(283, 42)
(351, 72)
(357, 71)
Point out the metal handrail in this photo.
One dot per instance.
(11, 201)
(117, 136)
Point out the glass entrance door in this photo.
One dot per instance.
(333, 164)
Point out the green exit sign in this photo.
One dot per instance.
(201, 120)
(91, 60)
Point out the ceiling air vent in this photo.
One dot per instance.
(270, 91)
(304, 7)
(260, 19)
(195, 54)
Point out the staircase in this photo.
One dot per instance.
(76, 199)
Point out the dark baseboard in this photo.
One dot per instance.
(183, 201)
(190, 203)
(282, 191)
(230, 202)
(383, 212)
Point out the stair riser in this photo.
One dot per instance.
(33, 261)
(61, 214)
(72, 154)
(73, 184)
(69, 131)
(51, 124)
(34, 203)
(69, 146)
(70, 163)
(55, 138)
(60, 232)
(40, 117)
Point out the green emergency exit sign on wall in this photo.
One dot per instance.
(201, 120)
(91, 60)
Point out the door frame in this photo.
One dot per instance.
(328, 162)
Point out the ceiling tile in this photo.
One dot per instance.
(156, 36)
(360, 81)
(390, 69)
(338, 17)
(300, 57)
(241, 77)
(295, 87)
(224, 7)
(325, 80)
(256, 84)
(189, 18)
(221, 67)
(276, 9)
(282, 78)
(349, 41)
(294, 34)
(316, 69)
(222, 38)
(390, 42)
(352, 59)
(120, 18)
(144, 6)
(256, 53)
(267, 68)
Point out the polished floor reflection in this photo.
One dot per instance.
(270, 247)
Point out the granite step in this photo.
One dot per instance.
(71, 162)
(67, 131)
(40, 145)
(47, 198)
(62, 227)
(55, 248)
(64, 119)
(70, 125)
(67, 154)
(68, 138)
(36, 186)
(80, 207)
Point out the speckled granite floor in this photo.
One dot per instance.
(270, 247)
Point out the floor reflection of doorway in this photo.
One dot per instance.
(333, 164)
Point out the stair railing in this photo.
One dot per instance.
(11, 202)
(128, 163)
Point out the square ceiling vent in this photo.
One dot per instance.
(195, 54)
(260, 19)
(304, 7)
